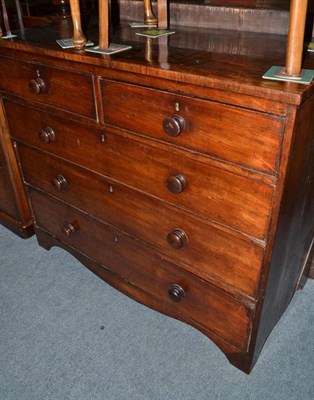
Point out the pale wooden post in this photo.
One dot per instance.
(162, 7)
(79, 39)
(295, 43)
(103, 24)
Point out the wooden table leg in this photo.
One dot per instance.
(162, 7)
(103, 24)
(295, 43)
(149, 17)
(79, 39)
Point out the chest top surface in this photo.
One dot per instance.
(218, 59)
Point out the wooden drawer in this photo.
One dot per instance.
(203, 303)
(210, 252)
(240, 136)
(64, 89)
(241, 203)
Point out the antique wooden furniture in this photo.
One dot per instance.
(173, 171)
(14, 210)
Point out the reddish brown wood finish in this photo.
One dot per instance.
(144, 269)
(235, 229)
(59, 87)
(237, 135)
(14, 210)
(215, 193)
(207, 251)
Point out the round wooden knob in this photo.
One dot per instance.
(174, 125)
(37, 86)
(177, 239)
(47, 135)
(68, 230)
(176, 292)
(176, 183)
(59, 182)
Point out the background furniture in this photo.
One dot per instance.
(14, 210)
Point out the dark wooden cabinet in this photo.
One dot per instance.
(172, 171)
(14, 210)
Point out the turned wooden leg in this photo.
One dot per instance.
(295, 44)
(79, 39)
(149, 17)
(103, 24)
(162, 7)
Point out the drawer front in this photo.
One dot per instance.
(210, 252)
(217, 194)
(240, 136)
(64, 89)
(203, 303)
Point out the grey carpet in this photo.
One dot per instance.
(65, 334)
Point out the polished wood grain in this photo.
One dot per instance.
(191, 63)
(79, 39)
(231, 199)
(144, 269)
(295, 45)
(53, 86)
(240, 136)
(207, 252)
(176, 171)
(104, 24)
(14, 208)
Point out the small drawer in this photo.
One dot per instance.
(244, 137)
(233, 200)
(208, 306)
(211, 253)
(64, 89)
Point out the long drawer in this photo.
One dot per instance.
(237, 135)
(208, 306)
(53, 86)
(233, 200)
(210, 252)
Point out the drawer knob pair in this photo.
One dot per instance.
(177, 238)
(176, 293)
(47, 135)
(59, 182)
(37, 86)
(174, 125)
(176, 183)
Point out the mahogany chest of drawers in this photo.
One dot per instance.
(179, 185)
